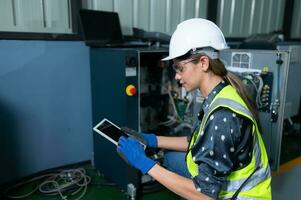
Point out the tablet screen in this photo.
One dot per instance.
(109, 130)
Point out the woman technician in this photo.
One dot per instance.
(225, 155)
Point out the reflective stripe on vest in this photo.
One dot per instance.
(259, 158)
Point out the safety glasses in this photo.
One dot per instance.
(180, 67)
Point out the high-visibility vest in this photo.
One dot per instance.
(259, 185)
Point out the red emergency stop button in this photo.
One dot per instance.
(131, 90)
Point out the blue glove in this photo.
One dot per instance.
(133, 152)
(151, 139)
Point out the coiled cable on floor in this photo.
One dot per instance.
(73, 181)
(64, 183)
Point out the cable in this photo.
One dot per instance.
(175, 116)
(173, 105)
(252, 78)
(258, 97)
(64, 183)
(190, 100)
(23, 183)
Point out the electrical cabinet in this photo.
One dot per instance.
(265, 74)
(127, 89)
(132, 87)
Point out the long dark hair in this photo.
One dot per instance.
(219, 69)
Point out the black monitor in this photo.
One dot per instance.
(100, 26)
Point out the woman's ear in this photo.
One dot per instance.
(204, 61)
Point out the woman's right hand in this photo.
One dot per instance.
(151, 139)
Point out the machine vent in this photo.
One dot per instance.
(241, 60)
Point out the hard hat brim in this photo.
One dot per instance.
(167, 58)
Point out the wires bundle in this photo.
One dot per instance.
(70, 181)
(65, 183)
(176, 117)
(257, 82)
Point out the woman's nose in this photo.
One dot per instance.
(177, 76)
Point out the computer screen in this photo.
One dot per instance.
(100, 25)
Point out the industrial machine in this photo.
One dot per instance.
(270, 78)
(132, 87)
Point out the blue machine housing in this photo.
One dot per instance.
(112, 69)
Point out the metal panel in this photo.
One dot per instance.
(202, 8)
(151, 15)
(241, 18)
(51, 16)
(296, 26)
(175, 17)
(293, 97)
(122, 174)
(157, 15)
(45, 106)
(181, 10)
(25, 18)
(7, 18)
(127, 110)
(142, 15)
(56, 15)
(104, 4)
(125, 10)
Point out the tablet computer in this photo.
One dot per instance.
(112, 132)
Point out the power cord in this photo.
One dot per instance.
(65, 183)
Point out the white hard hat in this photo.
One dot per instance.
(195, 34)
